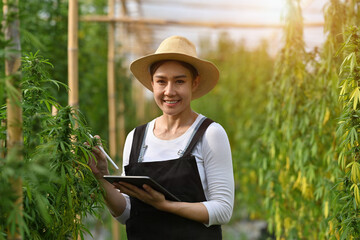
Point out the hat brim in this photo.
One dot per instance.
(208, 72)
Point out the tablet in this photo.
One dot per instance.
(139, 181)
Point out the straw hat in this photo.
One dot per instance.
(180, 49)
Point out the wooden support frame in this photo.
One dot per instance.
(121, 133)
(111, 81)
(112, 97)
(14, 118)
(162, 22)
(73, 78)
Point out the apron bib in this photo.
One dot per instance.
(181, 178)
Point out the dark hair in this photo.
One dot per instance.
(153, 67)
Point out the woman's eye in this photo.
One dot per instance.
(160, 81)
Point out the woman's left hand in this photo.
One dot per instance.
(147, 194)
(194, 211)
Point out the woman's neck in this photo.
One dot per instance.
(170, 127)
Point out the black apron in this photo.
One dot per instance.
(181, 178)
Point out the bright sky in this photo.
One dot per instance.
(235, 11)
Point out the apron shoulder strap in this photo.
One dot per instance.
(198, 134)
(137, 143)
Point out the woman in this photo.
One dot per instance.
(182, 150)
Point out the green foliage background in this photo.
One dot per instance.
(292, 119)
(295, 146)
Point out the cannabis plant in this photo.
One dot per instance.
(58, 187)
(346, 218)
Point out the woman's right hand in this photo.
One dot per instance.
(99, 166)
(115, 201)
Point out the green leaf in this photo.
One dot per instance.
(352, 62)
(355, 172)
(355, 95)
(69, 197)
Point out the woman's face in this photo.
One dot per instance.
(173, 87)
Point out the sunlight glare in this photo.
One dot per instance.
(270, 11)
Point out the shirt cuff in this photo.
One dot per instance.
(126, 213)
(206, 204)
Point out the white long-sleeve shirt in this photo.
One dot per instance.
(214, 162)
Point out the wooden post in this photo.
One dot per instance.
(111, 81)
(2, 142)
(73, 77)
(121, 134)
(138, 89)
(112, 97)
(13, 102)
(54, 111)
(139, 99)
(73, 81)
(124, 39)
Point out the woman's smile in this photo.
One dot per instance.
(171, 102)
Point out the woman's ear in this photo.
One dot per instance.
(195, 83)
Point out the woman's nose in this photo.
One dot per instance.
(170, 89)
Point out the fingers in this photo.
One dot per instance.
(96, 150)
(97, 160)
(95, 154)
(145, 194)
(129, 189)
(148, 195)
(98, 142)
(148, 189)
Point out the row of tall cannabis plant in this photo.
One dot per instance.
(308, 195)
(293, 123)
(59, 190)
(347, 202)
(298, 169)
